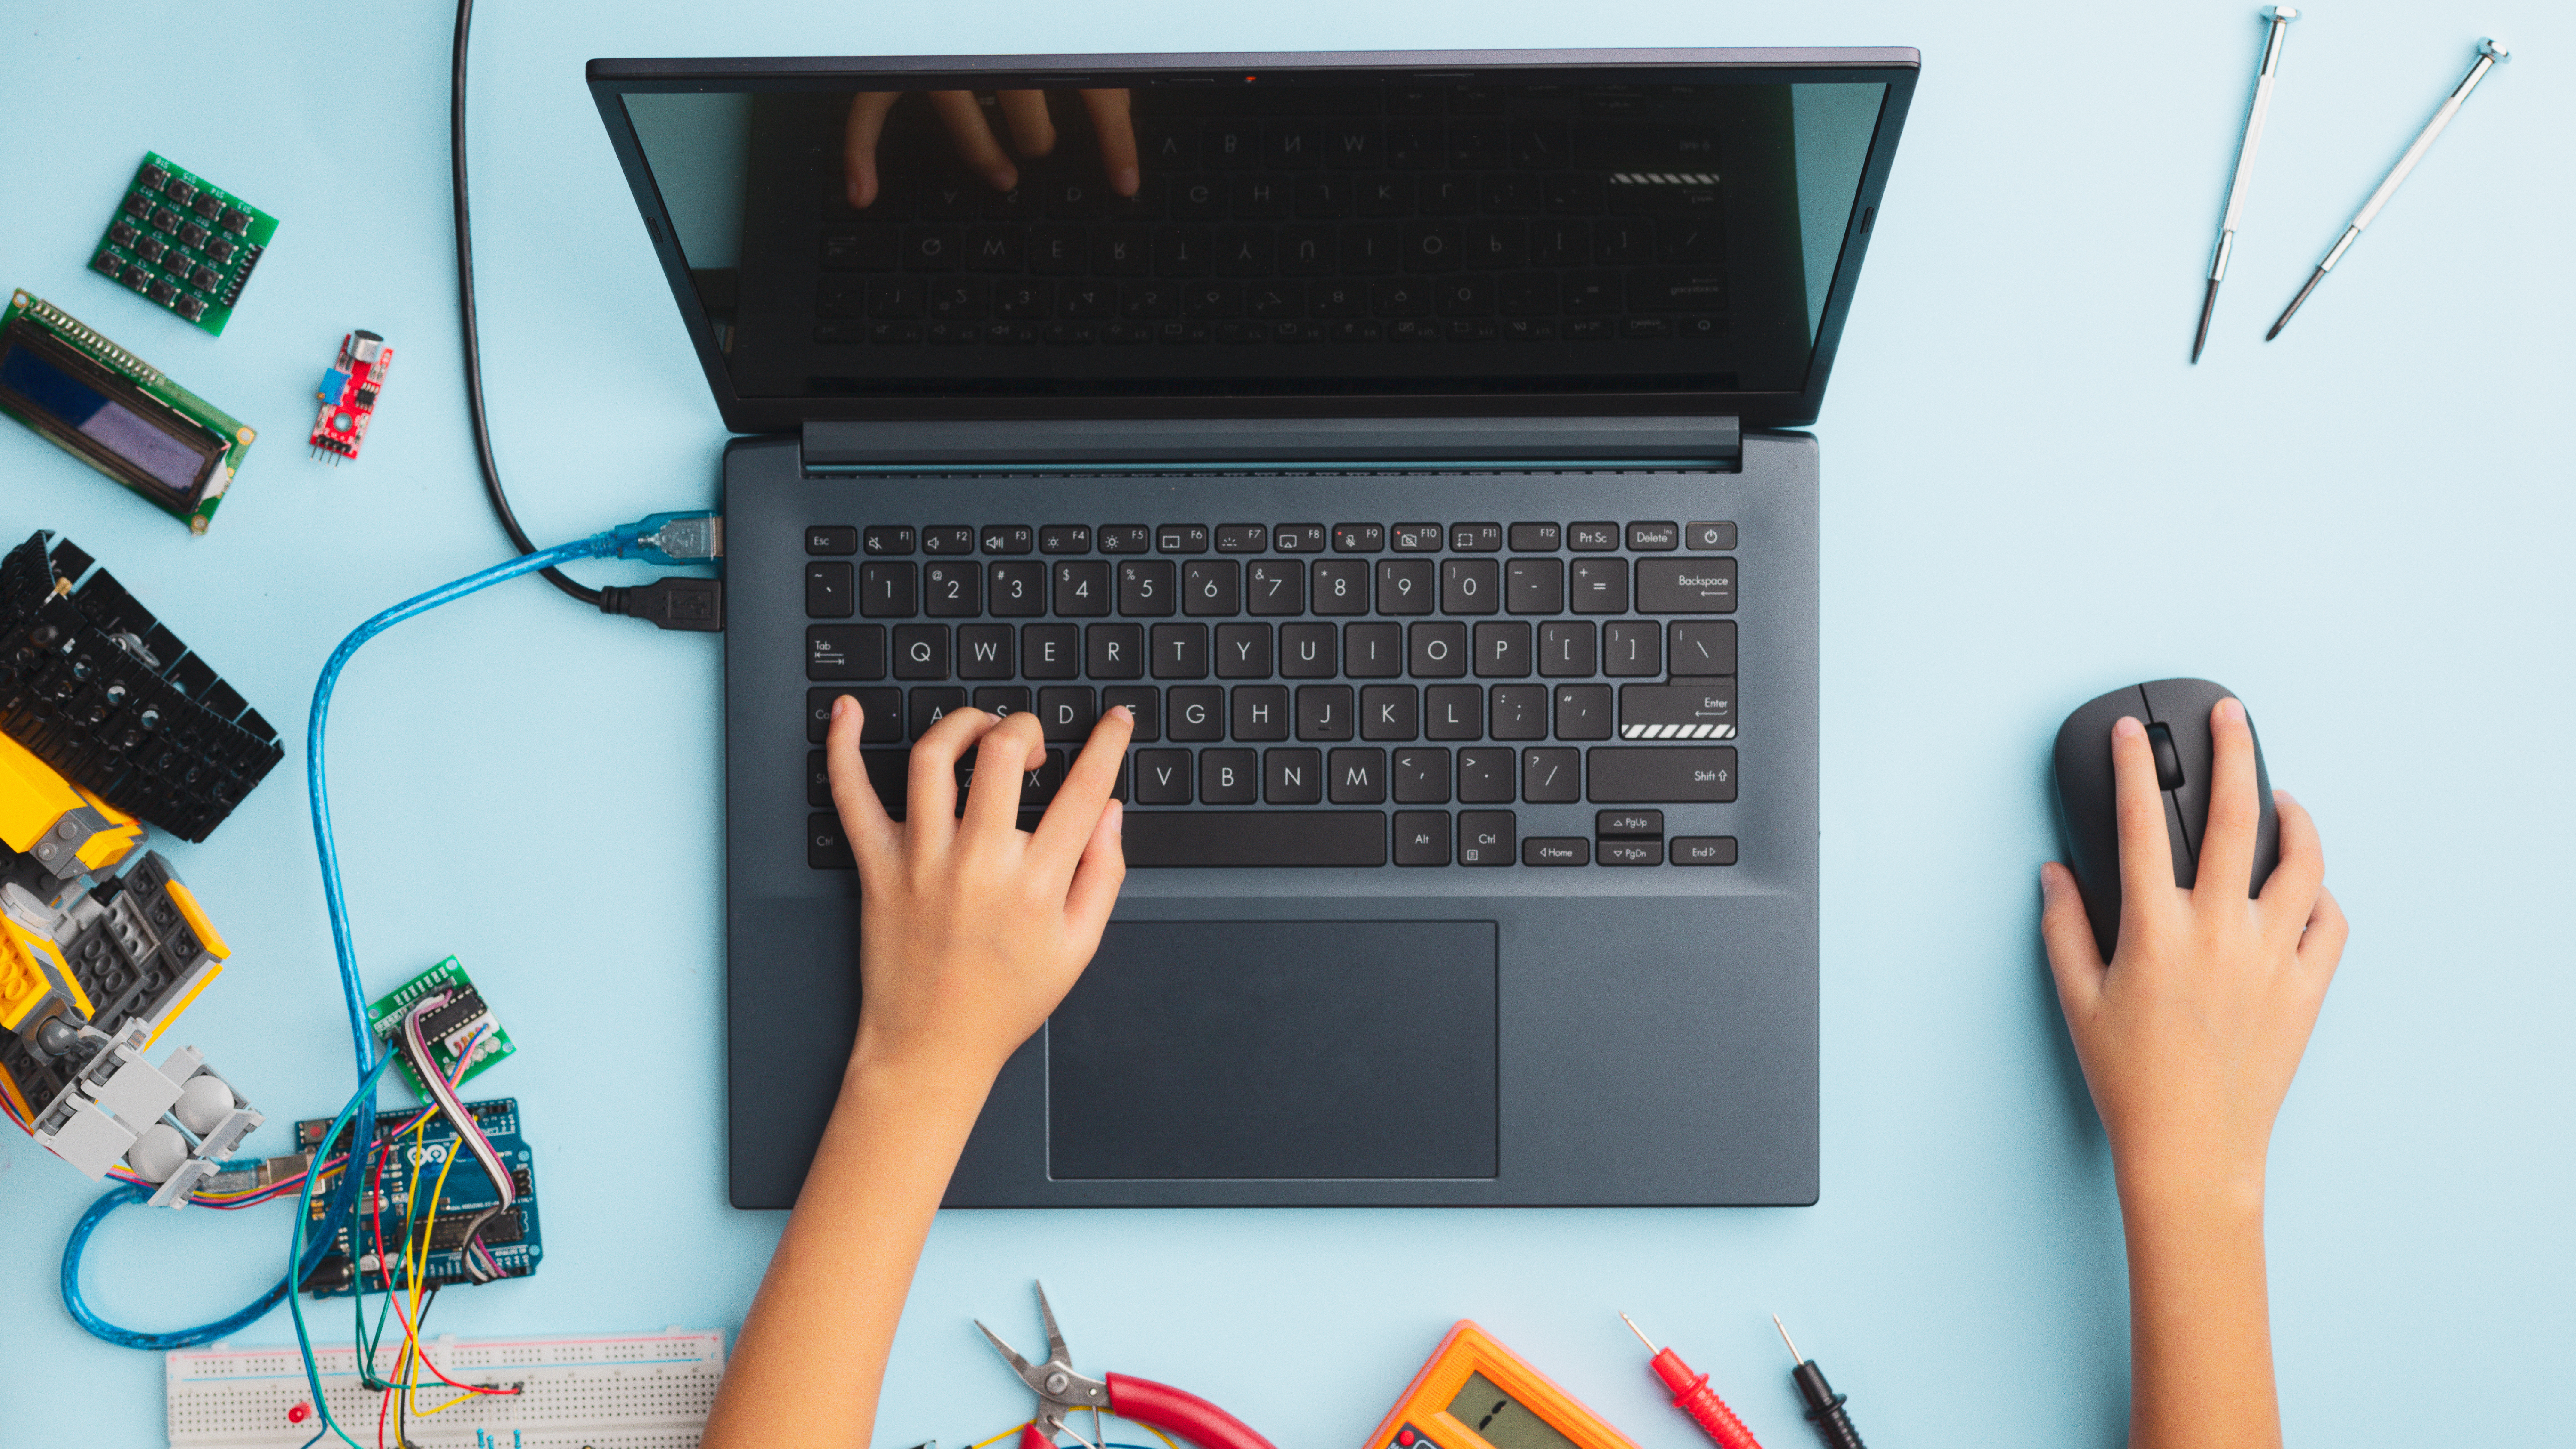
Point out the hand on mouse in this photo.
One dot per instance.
(971, 930)
(2189, 1036)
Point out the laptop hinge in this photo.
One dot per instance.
(1202, 444)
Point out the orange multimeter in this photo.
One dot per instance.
(1477, 1394)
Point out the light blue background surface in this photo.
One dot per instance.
(2029, 498)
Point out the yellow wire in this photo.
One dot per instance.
(450, 1404)
(1005, 1434)
(407, 1363)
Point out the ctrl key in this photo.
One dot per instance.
(1704, 850)
(1485, 837)
(826, 848)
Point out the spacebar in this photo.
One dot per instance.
(1255, 837)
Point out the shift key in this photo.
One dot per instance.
(1649, 775)
(1685, 585)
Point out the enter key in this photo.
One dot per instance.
(1700, 709)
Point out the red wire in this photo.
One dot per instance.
(411, 1337)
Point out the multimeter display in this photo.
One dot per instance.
(1501, 1420)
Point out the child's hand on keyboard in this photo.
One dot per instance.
(971, 930)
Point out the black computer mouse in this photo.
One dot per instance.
(2176, 714)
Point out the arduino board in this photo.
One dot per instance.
(349, 393)
(434, 1217)
(449, 1028)
(116, 412)
(183, 242)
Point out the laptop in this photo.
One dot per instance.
(1403, 438)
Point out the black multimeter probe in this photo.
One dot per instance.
(1824, 1406)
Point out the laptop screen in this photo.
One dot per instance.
(1309, 237)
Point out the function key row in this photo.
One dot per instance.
(887, 540)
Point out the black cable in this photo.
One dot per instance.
(465, 307)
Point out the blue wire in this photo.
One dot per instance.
(627, 540)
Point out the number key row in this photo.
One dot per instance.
(1225, 587)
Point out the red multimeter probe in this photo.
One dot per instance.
(1693, 1396)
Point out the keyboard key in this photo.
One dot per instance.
(891, 539)
(1162, 777)
(1632, 648)
(1662, 774)
(1470, 585)
(1438, 649)
(984, 651)
(831, 538)
(1065, 538)
(1390, 712)
(932, 704)
(828, 591)
(1180, 651)
(1324, 712)
(1502, 649)
(1534, 586)
(1704, 710)
(826, 848)
(1114, 651)
(886, 590)
(1212, 587)
(1298, 538)
(1256, 837)
(1556, 850)
(1710, 537)
(1260, 712)
(1537, 537)
(1125, 538)
(1552, 776)
(1146, 588)
(1600, 585)
(1355, 777)
(1583, 711)
(1485, 837)
(1307, 651)
(845, 651)
(1569, 649)
(1485, 776)
(1017, 590)
(1181, 538)
(1228, 777)
(1144, 702)
(1704, 850)
(1632, 852)
(1067, 712)
(1373, 650)
(1242, 538)
(921, 651)
(1417, 538)
(1359, 537)
(1009, 538)
(1243, 651)
(1002, 700)
(1195, 712)
(1476, 537)
(1275, 586)
(1421, 777)
(1686, 586)
(1341, 586)
(948, 538)
(1653, 537)
(1592, 537)
(883, 708)
(1081, 588)
(1050, 651)
(1648, 823)
(1292, 777)
(1453, 712)
(818, 780)
(1519, 711)
(952, 590)
(1404, 586)
(1422, 837)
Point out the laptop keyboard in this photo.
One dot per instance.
(1305, 694)
(1474, 226)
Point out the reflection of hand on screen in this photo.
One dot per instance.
(1024, 115)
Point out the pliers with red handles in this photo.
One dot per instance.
(1061, 1391)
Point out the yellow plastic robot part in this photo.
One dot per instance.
(195, 915)
(31, 968)
(35, 803)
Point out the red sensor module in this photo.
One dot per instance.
(349, 393)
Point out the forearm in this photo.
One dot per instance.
(2200, 1334)
(811, 1357)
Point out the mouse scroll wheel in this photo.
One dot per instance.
(2168, 764)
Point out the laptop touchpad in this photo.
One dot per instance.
(1272, 1049)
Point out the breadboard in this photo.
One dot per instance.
(631, 1391)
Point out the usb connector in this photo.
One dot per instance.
(673, 538)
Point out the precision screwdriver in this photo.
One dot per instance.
(1693, 1396)
(1824, 1406)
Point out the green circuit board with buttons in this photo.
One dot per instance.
(183, 242)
